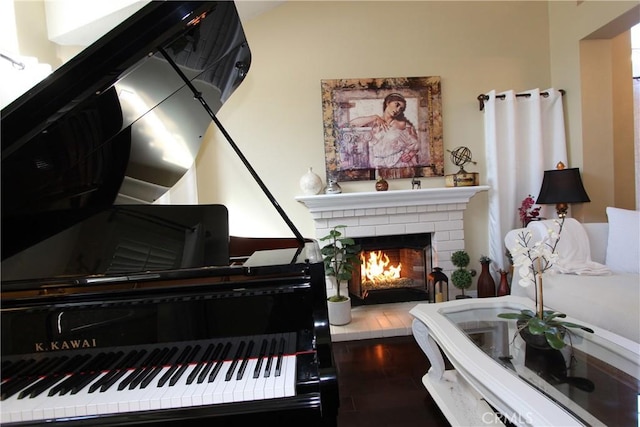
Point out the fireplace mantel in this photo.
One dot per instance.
(395, 198)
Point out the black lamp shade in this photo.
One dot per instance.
(562, 186)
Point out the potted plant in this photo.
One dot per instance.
(461, 277)
(542, 328)
(340, 257)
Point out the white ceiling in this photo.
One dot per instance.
(249, 9)
(71, 24)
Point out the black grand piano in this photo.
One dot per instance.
(119, 311)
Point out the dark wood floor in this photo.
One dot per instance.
(380, 383)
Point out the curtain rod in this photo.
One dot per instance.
(482, 97)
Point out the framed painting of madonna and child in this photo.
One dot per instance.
(389, 125)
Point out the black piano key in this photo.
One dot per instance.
(235, 361)
(127, 380)
(166, 360)
(60, 386)
(272, 351)
(210, 363)
(183, 367)
(167, 375)
(245, 360)
(137, 357)
(50, 380)
(219, 362)
(13, 386)
(65, 386)
(148, 369)
(280, 356)
(201, 364)
(261, 355)
(119, 369)
(86, 378)
(11, 369)
(31, 373)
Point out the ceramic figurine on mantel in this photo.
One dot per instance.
(310, 183)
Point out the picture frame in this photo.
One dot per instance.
(382, 127)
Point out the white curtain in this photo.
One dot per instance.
(524, 136)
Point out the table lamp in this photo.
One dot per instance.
(562, 186)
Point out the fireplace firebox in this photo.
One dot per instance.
(393, 269)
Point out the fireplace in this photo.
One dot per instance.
(393, 269)
(436, 212)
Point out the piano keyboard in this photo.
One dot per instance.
(146, 378)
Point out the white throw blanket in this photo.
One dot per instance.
(574, 252)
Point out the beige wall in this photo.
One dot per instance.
(588, 61)
(275, 116)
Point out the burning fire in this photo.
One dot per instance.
(377, 268)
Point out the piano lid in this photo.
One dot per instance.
(116, 124)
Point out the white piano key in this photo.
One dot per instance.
(288, 363)
(247, 378)
(260, 383)
(83, 403)
(290, 377)
(44, 404)
(157, 394)
(270, 383)
(172, 396)
(218, 392)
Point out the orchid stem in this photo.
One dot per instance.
(540, 302)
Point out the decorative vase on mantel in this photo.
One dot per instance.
(486, 284)
(503, 286)
(381, 183)
(310, 183)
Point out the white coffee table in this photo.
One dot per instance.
(492, 369)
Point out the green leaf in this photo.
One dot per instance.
(555, 340)
(510, 315)
(537, 326)
(528, 313)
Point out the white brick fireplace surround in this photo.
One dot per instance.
(438, 211)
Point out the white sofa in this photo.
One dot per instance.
(611, 301)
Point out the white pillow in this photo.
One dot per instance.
(623, 245)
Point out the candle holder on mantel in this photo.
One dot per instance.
(333, 187)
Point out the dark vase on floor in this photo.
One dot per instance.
(486, 284)
(503, 287)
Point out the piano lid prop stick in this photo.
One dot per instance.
(198, 96)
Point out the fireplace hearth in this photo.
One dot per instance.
(393, 269)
